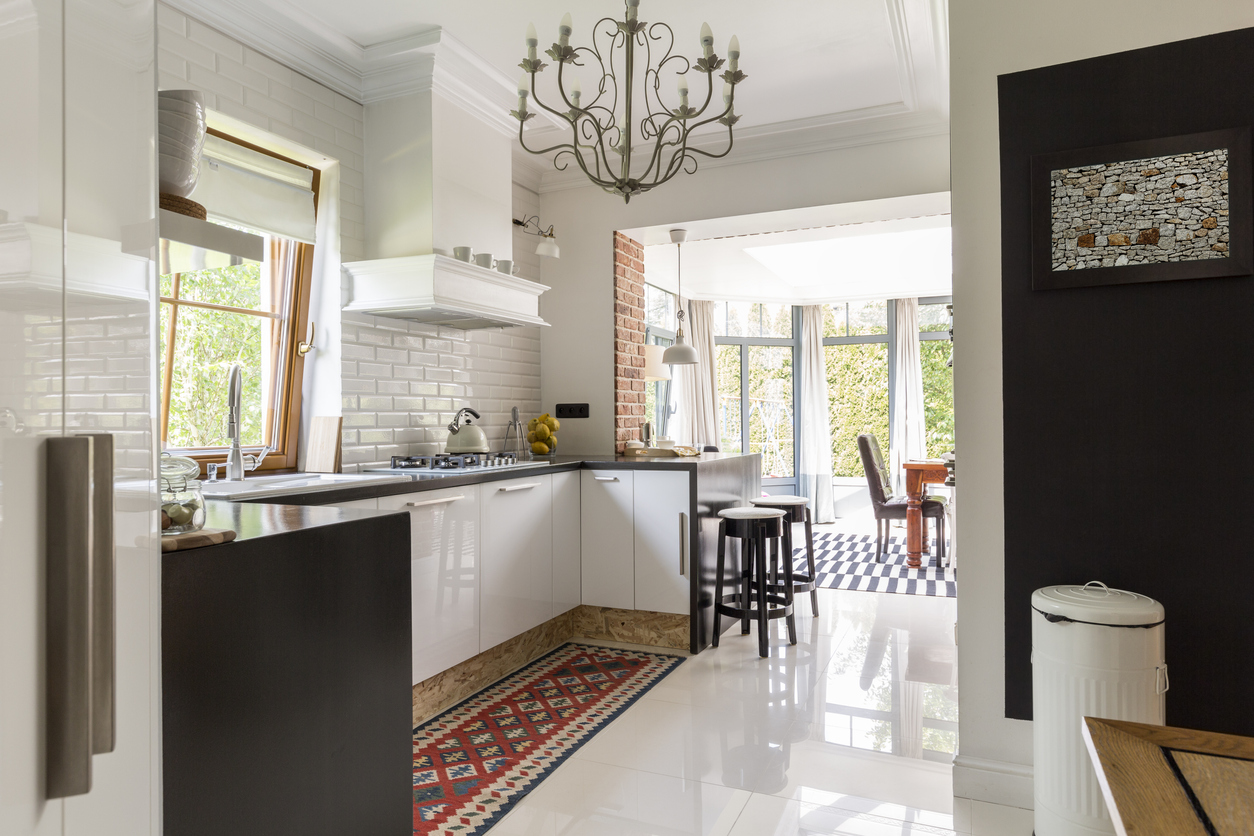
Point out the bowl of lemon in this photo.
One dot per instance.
(542, 435)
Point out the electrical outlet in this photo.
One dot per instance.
(572, 410)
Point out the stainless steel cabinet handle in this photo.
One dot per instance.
(606, 478)
(68, 542)
(519, 487)
(684, 544)
(103, 653)
(426, 502)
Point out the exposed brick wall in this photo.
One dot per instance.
(628, 339)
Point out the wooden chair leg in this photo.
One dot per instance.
(879, 542)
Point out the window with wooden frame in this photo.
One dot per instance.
(253, 314)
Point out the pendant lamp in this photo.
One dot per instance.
(680, 354)
(654, 367)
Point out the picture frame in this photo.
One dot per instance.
(1239, 260)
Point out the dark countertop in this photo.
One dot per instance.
(250, 520)
(429, 483)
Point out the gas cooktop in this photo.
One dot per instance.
(453, 464)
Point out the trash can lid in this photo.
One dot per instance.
(1095, 603)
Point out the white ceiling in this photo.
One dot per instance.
(820, 74)
(881, 249)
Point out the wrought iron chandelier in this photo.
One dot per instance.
(602, 129)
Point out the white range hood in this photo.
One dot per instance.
(438, 175)
(442, 291)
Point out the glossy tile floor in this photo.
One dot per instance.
(849, 732)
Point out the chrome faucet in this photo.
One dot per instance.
(236, 463)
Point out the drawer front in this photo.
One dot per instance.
(607, 538)
(444, 575)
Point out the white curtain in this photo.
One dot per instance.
(696, 416)
(816, 446)
(906, 437)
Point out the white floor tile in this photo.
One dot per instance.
(772, 816)
(592, 799)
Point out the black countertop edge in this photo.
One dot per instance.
(252, 520)
(558, 464)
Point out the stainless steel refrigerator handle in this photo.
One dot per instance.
(103, 651)
(67, 510)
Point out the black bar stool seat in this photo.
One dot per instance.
(798, 511)
(754, 599)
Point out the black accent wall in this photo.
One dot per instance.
(1129, 410)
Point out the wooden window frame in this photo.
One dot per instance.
(291, 366)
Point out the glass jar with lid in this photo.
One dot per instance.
(182, 503)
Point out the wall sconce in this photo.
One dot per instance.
(548, 238)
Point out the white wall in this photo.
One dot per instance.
(988, 38)
(578, 351)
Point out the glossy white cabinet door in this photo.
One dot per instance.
(662, 539)
(443, 575)
(516, 521)
(78, 200)
(607, 537)
(567, 590)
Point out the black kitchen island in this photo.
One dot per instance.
(285, 675)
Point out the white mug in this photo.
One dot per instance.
(463, 253)
(505, 265)
(484, 260)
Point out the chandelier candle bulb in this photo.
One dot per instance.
(564, 30)
(707, 40)
(576, 90)
(727, 93)
(733, 54)
(633, 9)
(533, 41)
(683, 91)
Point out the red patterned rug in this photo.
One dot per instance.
(478, 759)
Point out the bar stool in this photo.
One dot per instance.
(798, 511)
(753, 527)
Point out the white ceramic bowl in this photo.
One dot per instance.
(190, 96)
(175, 106)
(177, 175)
(191, 140)
(183, 121)
(665, 443)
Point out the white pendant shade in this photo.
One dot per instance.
(680, 354)
(654, 365)
(548, 247)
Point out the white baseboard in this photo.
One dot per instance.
(996, 782)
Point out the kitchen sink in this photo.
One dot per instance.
(259, 487)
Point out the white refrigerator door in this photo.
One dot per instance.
(77, 316)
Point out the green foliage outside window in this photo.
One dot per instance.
(206, 343)
(857, 392)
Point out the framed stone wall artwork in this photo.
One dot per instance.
(1147, 211)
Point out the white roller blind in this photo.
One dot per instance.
(246, 188)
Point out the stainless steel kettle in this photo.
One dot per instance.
(465, 438)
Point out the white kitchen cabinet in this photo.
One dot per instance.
(516, 591)
(607, 538)
(444, 575)
(567, 589)
(662, 537)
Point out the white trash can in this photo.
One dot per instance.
(1096, 652)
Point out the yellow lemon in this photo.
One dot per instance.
(531, 437)
(551, 441)
(553, 424)
(531, 425)
(542, 432)
(540, 448)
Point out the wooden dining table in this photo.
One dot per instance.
(919, 475)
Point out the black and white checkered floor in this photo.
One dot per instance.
(847, 561)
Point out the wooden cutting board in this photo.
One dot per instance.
(325, 442)
(196, 539)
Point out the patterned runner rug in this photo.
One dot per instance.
(847, 561)
(474, 762)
